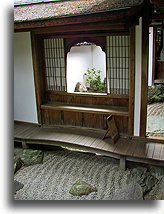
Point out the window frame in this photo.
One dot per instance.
(71, 41)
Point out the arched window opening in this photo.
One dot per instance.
(86, 69)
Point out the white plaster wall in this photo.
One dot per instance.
(150, 68)
(138, 61)
(99, 60)
(24, 89)
(79, 59)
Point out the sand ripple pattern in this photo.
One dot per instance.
(155, 109)
(53, 179)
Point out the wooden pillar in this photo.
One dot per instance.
(144, 77)
(132, 82)
(38, 77)
(122, 162)
(24, 145)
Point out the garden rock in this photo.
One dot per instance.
(142, 177)
(82, 188)
(17, 186)
(80, 87)
(157, 191)
(136, 174)
(155, 94)
(17, 164)
(156, 171)
(132, 191)
(29, 156)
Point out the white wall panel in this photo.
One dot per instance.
(24, 89)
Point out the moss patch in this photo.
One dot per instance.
(82, 188)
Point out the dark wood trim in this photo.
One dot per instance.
(144, 77)
(79, 35)
(132, 81)
(44, 64)
(20, 122)
(117, 96)
(154, 55)
(99, 41)
(38, 78)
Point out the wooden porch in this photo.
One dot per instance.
(136, 149)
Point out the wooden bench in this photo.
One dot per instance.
(95, 109)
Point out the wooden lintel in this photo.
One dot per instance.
(85, 27)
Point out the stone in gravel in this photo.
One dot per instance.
(142, 177)
(17, 186)
(132, 191)
(82, 188)
(156, 171)
(157, 192)
(29, 156)
(17, 164)
(155, 93)
(148, 182)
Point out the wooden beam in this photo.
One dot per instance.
(144, 77)
(132, 81)
(84, 27)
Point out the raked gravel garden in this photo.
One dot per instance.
(64, 174)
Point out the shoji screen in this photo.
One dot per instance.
(55, 64)
(118, 64)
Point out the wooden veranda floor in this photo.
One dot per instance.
(138, 150)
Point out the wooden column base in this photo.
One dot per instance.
(122, 162)
(25, 145)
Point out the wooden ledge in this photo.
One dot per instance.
(95, 109)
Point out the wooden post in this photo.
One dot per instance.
(24, 145)
(122, 162)
(144, 77)
(132, 82)
(38, 77)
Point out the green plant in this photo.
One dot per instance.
(94, 80)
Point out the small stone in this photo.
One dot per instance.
(17, 164)
(17, 186)
(132, 191)
(82, 188)
(29, 156)
(80, 87)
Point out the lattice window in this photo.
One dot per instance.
(118, 64)
(55, 64)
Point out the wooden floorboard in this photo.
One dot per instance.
(91, 139)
